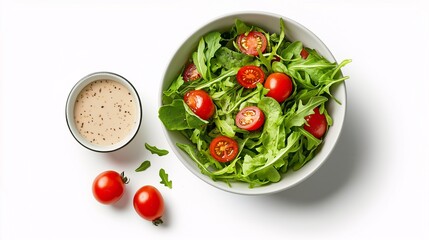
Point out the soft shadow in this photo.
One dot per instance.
(166, 218)
(124, 202)
(342, 166)
(130, 154)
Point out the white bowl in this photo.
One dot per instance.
(114, 116)
(294, 31)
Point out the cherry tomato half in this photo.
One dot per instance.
(280, 86)
(109, 186)
(149, 204)
(316, 124)
(250, 118)
(249, 76)
(200, 103)
(304, 53)
(223, 149)
(250, 43)
(191, 73)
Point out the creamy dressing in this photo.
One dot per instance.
(105, 112)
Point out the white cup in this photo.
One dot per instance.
(104, 120)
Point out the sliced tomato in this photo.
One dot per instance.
(200, 103)
(250, 43)
(191, 73)
(304, 53)
(280, 86)
(223, 149)
(250, 118)
(249, 76)
(316, 124)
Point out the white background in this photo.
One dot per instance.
(374, 186)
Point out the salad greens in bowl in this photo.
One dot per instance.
(253, 103)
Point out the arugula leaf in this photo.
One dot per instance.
(230, 72)
(173, 91)
(199, 59)
(292, 51)
(155, 150)
(269, 173)
(229, 169)
(196, 138)
(241, 27)
(196, 156)
(280, 67)
(143, 166)
(227, 58)
(207, 47)
(312, 141)
(267, 60)
(226, 126)
(178, 116)
(164, 179)
(292, 141)
(250, 164)
(174, 87)
(273, 135)
(212, 39)
(297, 118)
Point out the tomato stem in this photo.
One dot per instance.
(157, 221)
(124, 178)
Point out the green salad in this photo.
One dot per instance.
(251, 103)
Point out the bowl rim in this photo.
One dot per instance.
(265, 190)
(70, 103)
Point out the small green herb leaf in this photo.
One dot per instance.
(164, 178)
(155, 150)
(145, 165)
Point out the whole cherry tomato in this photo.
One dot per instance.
(280, 86)
(149, 204)
(200, 103)
(109, 186)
